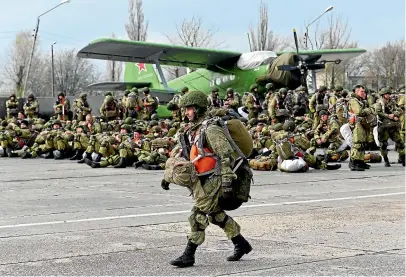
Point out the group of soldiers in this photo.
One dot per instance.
(284, 125)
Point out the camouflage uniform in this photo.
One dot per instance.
(31, 107)
(12, 107)
(252, 102)
(82, 107)
(358, 111)
(208, 191)
(383, 109)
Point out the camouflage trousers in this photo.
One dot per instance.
(110, 160)
(359, 139)
(153, 158)
(312, 161)
(331, 146)
(402, 121)
(394, 134)
(207, 210)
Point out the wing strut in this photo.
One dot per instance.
(155, 58)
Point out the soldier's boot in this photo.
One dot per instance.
(241, 247)
(95, 164)
(122, 163)
(386, 160)
(89, 162)
(188, 257)
(137, 164)
(402, 159)
(327, 157)
(333, 166)
(87, 156)
(9, 152)
(364, 164)
(78, 154)
(48, 155)
(151, 167)
(357, 165)
(26, 155)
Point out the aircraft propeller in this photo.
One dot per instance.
(304, 65)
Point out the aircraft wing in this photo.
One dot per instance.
(328, 55)
(116, 86)
(147, 52)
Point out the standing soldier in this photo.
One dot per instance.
(401, 105)
(341, 107)
(82, 107)
(12, 107)
(218, 187)
(358, 112)
(232, 101)
(268, 96)
(214, 99)
(62, 107)
(133, 104)
(150, 104)
(389, 114)
(31, 107)
(317, 103)
(277, 109)
(252, 102)
(332, 100)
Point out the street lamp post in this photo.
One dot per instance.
(308, 25)
(35, 39)
(52, 68)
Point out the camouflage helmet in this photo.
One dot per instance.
(253, 121)
(184, 89)
(146, 90)
(83, 95)
(109, 98)
(289, 126)
(278, 127)
(154, 117)
(323, 112)
(322, 89)
(129, 120)
(253, 86)
(153, 123)
(269, 86)
(283, 90)
(344, 93)
(385, 91)
(135, 90)
(108, 94)
(57, 122)
(126, 127)
(156, 129)
(229, 90)
(127, 92)
(31, 96)
(338, 88)
(13, 95)
(194, 98)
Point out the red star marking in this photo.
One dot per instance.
(141, 67)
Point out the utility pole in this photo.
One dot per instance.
(53, 68)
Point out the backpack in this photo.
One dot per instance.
(131, 102)
(156, 102)
(241, 142)
(283, 146)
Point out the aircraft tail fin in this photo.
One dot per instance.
(142, 73)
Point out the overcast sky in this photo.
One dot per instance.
(75, 24)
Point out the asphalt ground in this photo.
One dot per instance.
(64, 218)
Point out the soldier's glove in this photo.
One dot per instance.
(165, 185)
(227, 190)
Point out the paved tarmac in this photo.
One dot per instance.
(62, 218)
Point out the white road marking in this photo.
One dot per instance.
(188, 211)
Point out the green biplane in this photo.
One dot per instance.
(213, 68)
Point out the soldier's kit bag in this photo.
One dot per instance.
(264, 164)
(180, 171)
(293, 165)
(371, 157)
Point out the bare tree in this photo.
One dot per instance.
(337, 35)
(136, 27)
(73, 74)
(263, 39)
(114, 69)
(16, 64)
(192, 33)
(387, 64)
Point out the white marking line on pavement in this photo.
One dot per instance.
(188, 211)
